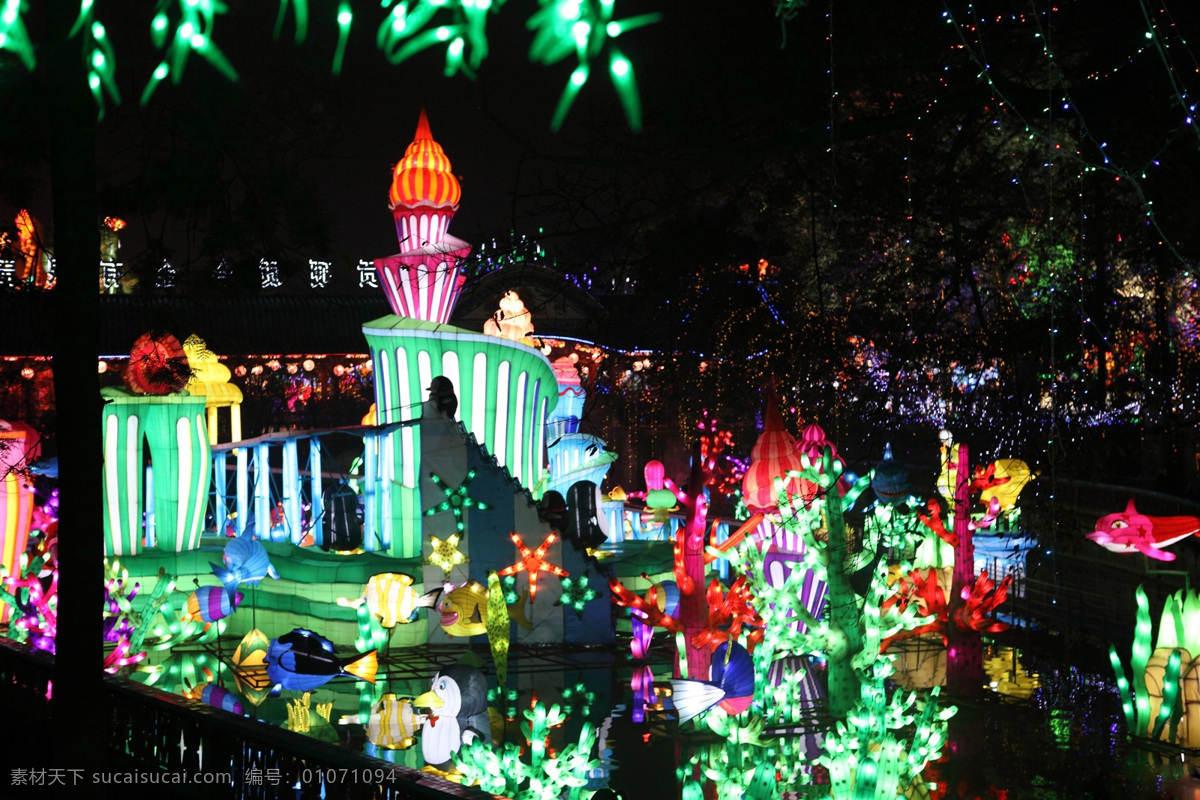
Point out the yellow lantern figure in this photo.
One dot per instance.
(250, 666)
(211, 378)
(445, 553)
(511, 321)
(1019, 476)
(946, 477)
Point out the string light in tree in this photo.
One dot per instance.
(445, 553)
(456, 500)
(533, 562)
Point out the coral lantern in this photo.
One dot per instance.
(423, 280)
(19, 448)
(773, 456)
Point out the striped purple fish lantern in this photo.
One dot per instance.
(173, 425)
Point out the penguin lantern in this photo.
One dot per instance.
(457, 700)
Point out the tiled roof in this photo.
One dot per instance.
(275, 324)
(230, 326)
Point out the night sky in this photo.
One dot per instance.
(724, 89)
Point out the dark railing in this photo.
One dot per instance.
(158, 737)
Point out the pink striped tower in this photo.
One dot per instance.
(423, 280)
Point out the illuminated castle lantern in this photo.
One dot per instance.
(211, 378)
(574, 456)
(505, 389)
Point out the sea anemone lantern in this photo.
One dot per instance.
(660, 501)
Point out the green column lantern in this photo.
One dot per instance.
(173, 426)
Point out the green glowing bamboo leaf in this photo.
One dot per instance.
(215, 57)
(344, 19)
(301, 12)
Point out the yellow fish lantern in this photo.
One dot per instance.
(250, 666)
(392, 724)
(946, 478)
(464, 610)
(391, 598)
(1019, 476)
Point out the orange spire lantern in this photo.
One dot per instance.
(424, 193)
(424, 279)
(773, 456)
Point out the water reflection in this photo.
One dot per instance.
(1046, 730)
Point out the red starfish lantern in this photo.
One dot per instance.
(533, 562)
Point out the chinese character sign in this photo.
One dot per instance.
(269, 270)
(367, 276)
(318, 273)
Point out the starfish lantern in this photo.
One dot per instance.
(533, 562)
(576, 594)
(445, 554)
(456, 500)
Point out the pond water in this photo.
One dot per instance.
(1065, 739)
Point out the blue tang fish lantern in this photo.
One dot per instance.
(303, 660)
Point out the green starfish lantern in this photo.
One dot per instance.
(456, 500)
(576, 594)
